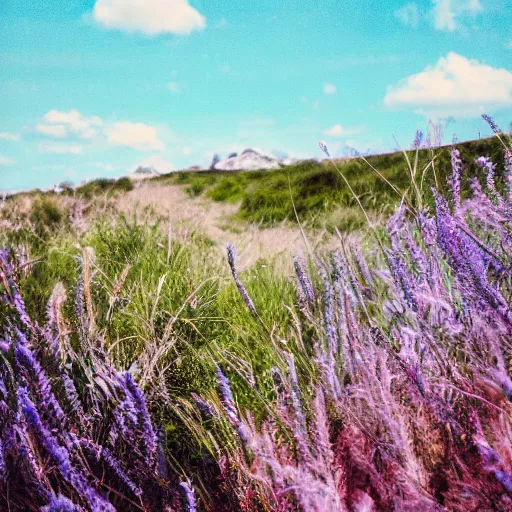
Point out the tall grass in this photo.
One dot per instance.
(139, 373)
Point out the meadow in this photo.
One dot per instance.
(148, 365)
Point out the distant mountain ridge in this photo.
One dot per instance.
(251, 160)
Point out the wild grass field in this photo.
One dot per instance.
(332, 335)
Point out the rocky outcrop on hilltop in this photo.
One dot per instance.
(143, 173)
(248, 160)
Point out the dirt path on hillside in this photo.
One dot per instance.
(186, 215)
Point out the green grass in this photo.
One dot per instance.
(183, 295)
(318, 190)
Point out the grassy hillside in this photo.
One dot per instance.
(318, 190)
(142, 368)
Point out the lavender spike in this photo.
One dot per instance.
(241, 288)
(190, 497)
(229, 406)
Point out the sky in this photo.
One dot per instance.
(94, 88)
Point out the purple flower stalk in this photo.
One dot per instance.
(190, 497)
(12, 296)
(490, 121)
(41, 385)
(456, 176)
(323, 146)
(241, 288)
(228, 403)
(418, 139)
(300, 431)
(149, 436)
(60, 455)
(59, 504)
(508, 176)
(304, 281)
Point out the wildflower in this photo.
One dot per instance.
(304, 281)
(241, 288)
(455, 180)
(190, 497)
(228, 403)
(323, 146)
(59, 504)
(418, 139)
(490, 121)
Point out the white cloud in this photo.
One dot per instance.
(59, 131)
(60, 149)
(509, 45)
(444, 16)
(135, 135)
(455, 86)
(173, 87)
(339, 131)
(408, 14)
(12, 137)
(59, 124)
(187, 151)
(329, 89)
(6, 161)
(446, 12)
(149, 16)
(158, 163)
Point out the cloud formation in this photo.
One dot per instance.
(134, 135)
(60, 124)
(58, 131)
(446, 12)
(454, 86)
(6, 161)
(157, 162)
(11, 137)
(149, 16)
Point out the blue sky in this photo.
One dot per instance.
(93, 88)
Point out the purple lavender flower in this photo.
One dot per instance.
(60, 504)
(12, 293)
(323, 146)
(60, 455)
(207, 410)
(149, 437)
(228, 403)
(304, 281)
(508, 176)
(456, 176)
(40, 385)
(241, 288)
(468, 261)
(328, 315)
(418, 139)
(112, 463)
(3, 467)
(487, 164)
(490, 121)
(190, 497)
(300, 430)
